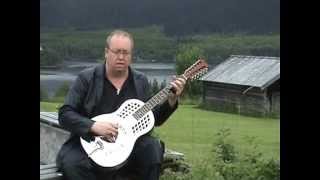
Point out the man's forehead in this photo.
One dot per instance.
(120, 40)
(119, 37)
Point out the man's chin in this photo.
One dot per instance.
(120, 69)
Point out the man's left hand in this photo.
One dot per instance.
(178, 86)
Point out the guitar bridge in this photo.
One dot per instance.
(98, 145)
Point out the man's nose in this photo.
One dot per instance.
(121, 56)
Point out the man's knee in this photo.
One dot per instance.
(73, 170)
(73, 161)
(149, 140)
(150, 148)
(77, 172)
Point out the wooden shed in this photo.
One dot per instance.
(247, 85)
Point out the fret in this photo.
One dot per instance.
(148, 105)
(167, 89)
(140, 114)
(165, 94)
(142, 111)
(158, 99)
(162, 95)
(145, 109)
(153, 103)
(155, 99)
(136, 115)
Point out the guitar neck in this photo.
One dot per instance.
(157, 99)
(194, 72)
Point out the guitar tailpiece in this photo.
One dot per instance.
(100, 146)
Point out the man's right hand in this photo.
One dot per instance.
(105, 129)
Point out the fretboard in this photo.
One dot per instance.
(157, 99)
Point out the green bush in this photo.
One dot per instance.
(229, 164)
(171, 175)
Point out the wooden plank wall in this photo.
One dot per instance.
(275, 106)
(231, 98)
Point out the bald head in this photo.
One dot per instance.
(119, 33)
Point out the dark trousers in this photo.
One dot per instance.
(143, 164)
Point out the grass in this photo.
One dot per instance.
(49, 106)
(191, 130)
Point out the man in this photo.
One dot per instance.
(101, 90)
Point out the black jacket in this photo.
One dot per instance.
(76, 113)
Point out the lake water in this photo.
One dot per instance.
(51, 80)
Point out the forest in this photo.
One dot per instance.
(177, 17)
(76, 29)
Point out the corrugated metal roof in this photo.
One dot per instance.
(256, 71)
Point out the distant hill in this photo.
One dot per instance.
(178, 17)
(151, 44)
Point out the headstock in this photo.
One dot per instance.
(195, 71)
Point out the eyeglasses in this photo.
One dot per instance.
(120, 51)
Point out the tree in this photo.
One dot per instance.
(49, 57)
(188, 55)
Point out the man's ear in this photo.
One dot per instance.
(105, 54)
